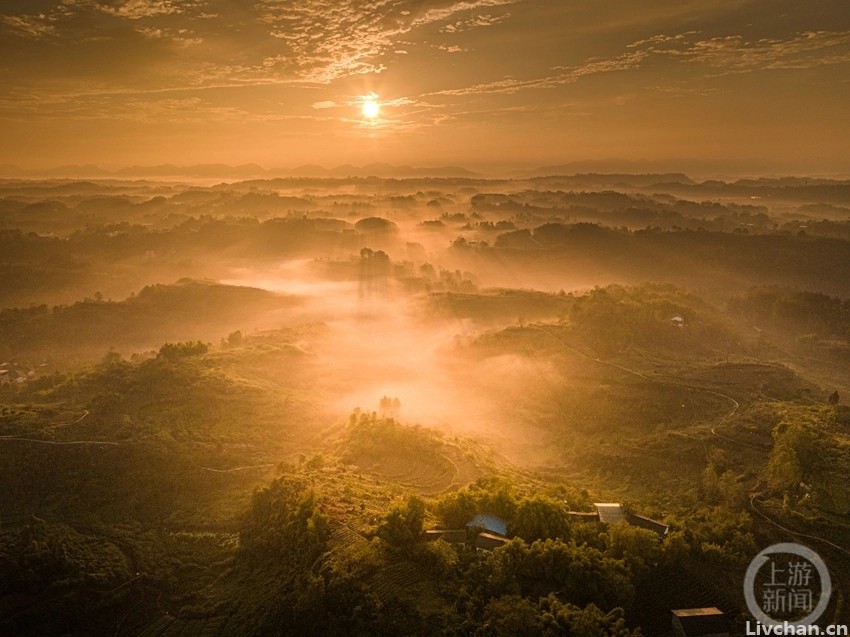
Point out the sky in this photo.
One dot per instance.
(760, 85)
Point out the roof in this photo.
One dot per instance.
(584, 515)
(647, 523)
(701, 621)
(488, 541)
(489, 522)
(610, 512)
(447, 535)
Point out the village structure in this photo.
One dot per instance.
(487, 532)
(700, 622)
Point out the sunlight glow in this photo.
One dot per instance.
(371, 109)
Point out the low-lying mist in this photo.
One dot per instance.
(392, 344)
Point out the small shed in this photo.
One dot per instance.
(700, 622)
(489, 541)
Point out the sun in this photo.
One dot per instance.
(371, 109)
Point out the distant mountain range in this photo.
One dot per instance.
(598, 173)
(612, 167)
(224, 171)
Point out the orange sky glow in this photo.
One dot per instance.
(753, 85)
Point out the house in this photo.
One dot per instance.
(646, 523)
(489, 523)
(452, 536)
(700, 622)
(493, 530)
(678, 321)
(489, 541)
(609, 512)
(613, 512)
(584, 516)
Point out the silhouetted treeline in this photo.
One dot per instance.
(779, 307)
(698, 259)
(185, 310)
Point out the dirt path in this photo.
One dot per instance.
(57, 425)
(253, 466)
(52, 442)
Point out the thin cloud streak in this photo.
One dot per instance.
(623, 62)
(724, 55)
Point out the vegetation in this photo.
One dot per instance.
(192, 459)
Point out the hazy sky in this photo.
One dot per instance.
(281, 82)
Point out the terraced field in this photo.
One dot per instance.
(390, 580)
(425, 476)
(168, 626)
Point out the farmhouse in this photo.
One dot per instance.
(452, 536)
(489, 523)
(488, 531)
(700, 622)
(584, 516)
(488, 541)
(609, 512)
(646, 523)
(613, 512)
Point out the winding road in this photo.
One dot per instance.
(56, 425)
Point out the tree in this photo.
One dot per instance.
(794, 449)
(402, 526)
(540, 518)
(638, 547)
(389, 407)
(590, 621)
(581, 574)
(458, 508)
(235, 339)
(834, 398)
(510, 616)
(284, 520)
(174, 351)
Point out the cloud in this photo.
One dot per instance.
(399, 101)
(722, 55)
(474, 22)
(440, 14)
(135, 9)
(330, 40)
(734, 54)
(568, 75)
(325, 104)
(31, 26)
(252, 43)
(660, 39)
